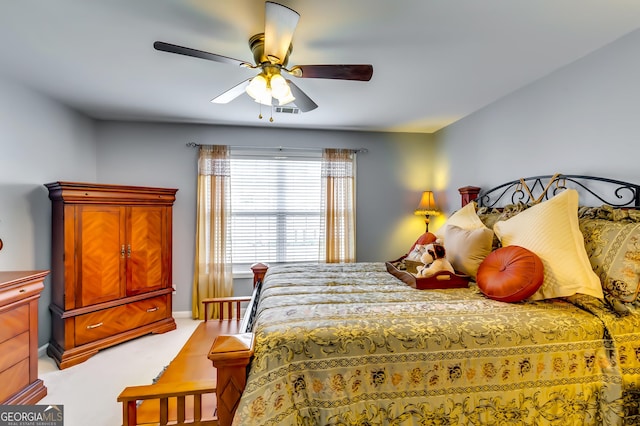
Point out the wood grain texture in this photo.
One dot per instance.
(19, 295)
(111, 266)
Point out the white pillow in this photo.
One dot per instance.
(550, 230)
(467, 248)
(465, 218)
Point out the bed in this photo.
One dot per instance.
(351, 344)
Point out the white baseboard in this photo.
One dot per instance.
(42, 350)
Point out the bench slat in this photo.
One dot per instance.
(164, 411)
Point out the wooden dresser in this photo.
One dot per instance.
(111, 266)
(19, 295)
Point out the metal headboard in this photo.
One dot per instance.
(613, 192)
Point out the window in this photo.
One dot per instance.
(275, 208)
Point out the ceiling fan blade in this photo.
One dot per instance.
(187, 51)
(302, 101)
(337, 72)
(232, 93)
(279, 24)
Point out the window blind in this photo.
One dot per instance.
(275, 208)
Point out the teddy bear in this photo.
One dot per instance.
(434, 261)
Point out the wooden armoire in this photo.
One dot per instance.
(111, 266)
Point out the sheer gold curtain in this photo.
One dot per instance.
(338, 193)
(212, 275)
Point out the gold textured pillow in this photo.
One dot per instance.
(550, 230)
(465, 218)
(467, 248)
(613, 248)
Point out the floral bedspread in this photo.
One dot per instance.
(349, 344)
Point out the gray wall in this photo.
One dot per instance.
(40, 142)
(582, 119)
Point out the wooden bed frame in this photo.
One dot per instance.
(232, 353)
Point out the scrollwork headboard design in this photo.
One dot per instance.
(535, 189)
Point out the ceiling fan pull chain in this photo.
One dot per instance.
(271, 118)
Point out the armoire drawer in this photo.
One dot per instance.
(108, 322)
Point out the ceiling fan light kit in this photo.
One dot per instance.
(271, 51)
(270, 84)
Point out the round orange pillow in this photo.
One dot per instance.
(510, 274)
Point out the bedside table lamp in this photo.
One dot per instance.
(427, 207)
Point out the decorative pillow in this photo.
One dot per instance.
(489, 216)
(607, 212)
(550, 230)
(510, 274)
(467, 248)
(465, 218)
(613, 248)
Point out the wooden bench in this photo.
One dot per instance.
(185, 393)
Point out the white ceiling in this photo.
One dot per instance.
(434, 61)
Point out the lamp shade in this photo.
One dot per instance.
(278, 86)
(257, 88)
(286, 99)
(280, 89)
(427, 205)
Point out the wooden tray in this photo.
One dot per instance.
(442, 279)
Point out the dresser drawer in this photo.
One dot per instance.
(14, 379)
(14, 350)
(108, 322)
(14, 322)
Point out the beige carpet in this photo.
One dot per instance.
(88, 391)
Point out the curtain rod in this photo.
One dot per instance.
(279, 148)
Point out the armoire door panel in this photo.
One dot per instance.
(100, 253)
(147, 239)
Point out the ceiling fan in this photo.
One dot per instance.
(271, 51)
